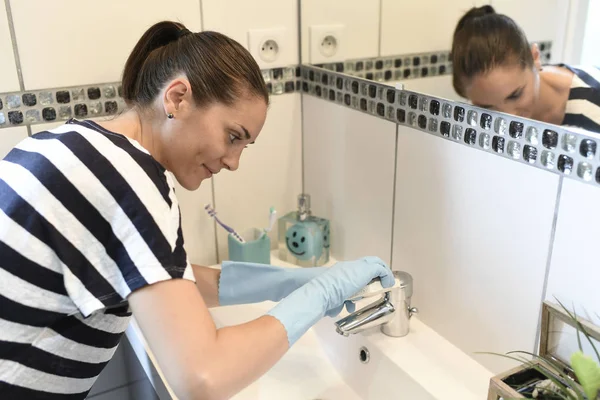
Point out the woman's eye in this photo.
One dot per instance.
(515, 96)
(233, 138)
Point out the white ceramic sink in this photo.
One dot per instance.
(327, 366)
(304, 373)
(324, 365)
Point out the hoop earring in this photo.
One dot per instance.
(170, 116)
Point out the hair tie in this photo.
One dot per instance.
(183, 32)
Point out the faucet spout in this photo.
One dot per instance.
(392, 311)
(375, 314)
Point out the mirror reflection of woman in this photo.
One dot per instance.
(495, 67)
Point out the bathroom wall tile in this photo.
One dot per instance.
(9, 137)
(8, 68)
(438, 86)
(361, 21)
(270, 174)
(473, 229)
(410, 27)
(198, 230)
(574, 272)
(81, 42)
(349, 173)
(540, 19)
(45, 127)
(236, 17)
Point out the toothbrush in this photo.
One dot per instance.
(272, 217)
(212, 213)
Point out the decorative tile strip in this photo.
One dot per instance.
(408, 66)
(88, 101)
(569, 152)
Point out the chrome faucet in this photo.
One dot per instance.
(392, 312)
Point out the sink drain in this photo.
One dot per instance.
(364, 355)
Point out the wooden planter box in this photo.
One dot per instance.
(524, 377)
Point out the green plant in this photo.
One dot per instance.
(586, 369)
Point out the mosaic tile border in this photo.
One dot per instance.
(49, 105)
(569, 153)
(408, 66)
(33, 107)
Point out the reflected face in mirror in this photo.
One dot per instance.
(512, 89)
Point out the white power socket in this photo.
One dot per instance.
(326, 43)
(267, 46)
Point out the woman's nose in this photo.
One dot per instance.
(232, 160)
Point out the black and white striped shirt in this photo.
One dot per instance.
(86, 217)
(583, 106)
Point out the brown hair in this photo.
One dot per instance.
(483, 40)
(219, 68)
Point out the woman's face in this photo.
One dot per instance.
(199, 142)
(510, 88)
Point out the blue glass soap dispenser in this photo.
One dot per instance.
(303, 238)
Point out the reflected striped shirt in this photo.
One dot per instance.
(86, 217)
(583, 105)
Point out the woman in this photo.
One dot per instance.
(90, 233)
(495, 68)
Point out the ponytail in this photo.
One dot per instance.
(219, 68)
(483, 40)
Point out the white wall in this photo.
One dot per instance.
(349, 173)
(591, 41)
(8, 69)
(419, 26)
(574, 276)
(270, 173)
(541, 20)
(474, 231)
(9, 137)
(360, 19)
(86, 42)
(438, 86)
(235, 18)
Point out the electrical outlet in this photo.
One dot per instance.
(326, 43)
(268, 46)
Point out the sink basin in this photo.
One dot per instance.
(327, 366)
(305, 371)
(368, 366)
(419, 366)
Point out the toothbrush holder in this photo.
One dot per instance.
(256, 249)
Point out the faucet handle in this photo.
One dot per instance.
(374, 288)
(412, 310)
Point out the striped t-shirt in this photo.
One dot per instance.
(86, 217)
(583, 106)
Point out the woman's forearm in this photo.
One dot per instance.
(207, 282)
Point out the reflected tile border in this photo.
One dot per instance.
(409, 66)
(568, 152)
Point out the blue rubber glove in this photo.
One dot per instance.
(245, 283)
(328, 291)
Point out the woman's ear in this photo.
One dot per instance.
(535, 52)
(177, 94)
